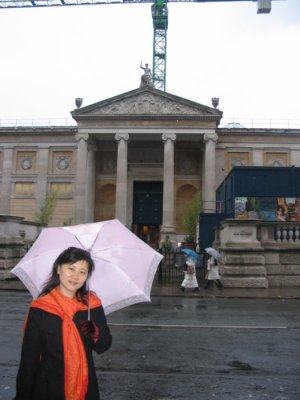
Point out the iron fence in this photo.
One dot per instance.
(170, 269)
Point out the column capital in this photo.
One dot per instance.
(210, 136)
(82, 136)
(122, 136)
(168, 136)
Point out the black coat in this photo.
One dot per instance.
(41, 371)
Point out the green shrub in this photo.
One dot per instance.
(190, 218)
(45, 214)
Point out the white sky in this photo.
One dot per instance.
(251, 62)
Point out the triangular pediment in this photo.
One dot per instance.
(146, 101)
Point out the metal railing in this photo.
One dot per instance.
(44, 122)
(171, 267)
(229, 123)
(260, 123)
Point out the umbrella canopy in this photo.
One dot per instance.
(214, 253)
(192, 254)
(124, 265)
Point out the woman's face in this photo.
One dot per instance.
(72, 277)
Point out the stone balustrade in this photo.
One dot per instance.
(287, 233)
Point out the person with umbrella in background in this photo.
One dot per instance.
(213, 275)
(64, 325)
(190, 278)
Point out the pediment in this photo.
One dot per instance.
(147, 101)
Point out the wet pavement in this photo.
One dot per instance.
(184, 346)
(173, 289)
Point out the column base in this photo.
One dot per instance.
(167, 229)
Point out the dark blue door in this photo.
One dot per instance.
(147, 211)
(147, 205)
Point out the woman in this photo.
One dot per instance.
(190, 278)
(213, 273)
(56, 359)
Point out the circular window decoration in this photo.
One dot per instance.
(111, 164)
(63, 163)
(26, 163)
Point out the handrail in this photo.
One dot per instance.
(226, 123)
(43, 122)
(263, 123)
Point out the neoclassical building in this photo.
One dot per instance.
(139, 156)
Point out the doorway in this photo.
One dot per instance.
(147, 211)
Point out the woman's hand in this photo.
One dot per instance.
(90, 328)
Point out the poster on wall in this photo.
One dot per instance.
(267, 208)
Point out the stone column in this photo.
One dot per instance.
(6, 181)
(91, 179)
(81, 182)
(168, 225)
(42, 168)
(209, 177)
(121, 189)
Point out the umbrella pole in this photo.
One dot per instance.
(89, 307)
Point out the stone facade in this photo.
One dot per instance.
(144, 135)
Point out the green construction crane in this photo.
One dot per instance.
(160, 27)
(160, 24)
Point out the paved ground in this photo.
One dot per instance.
(174, 290)
(184, 346)
(234, 293)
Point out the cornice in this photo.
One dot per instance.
(145, 117)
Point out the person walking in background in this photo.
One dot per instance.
(213, 275)
(190, 278)
(56, 358)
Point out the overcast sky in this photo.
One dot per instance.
(250, 61)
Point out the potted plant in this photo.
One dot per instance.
(190, 221)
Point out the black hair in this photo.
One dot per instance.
(69, 256)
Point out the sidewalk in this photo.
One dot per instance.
(247, 293)
(174, 290)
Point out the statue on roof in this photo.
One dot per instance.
(146, 78)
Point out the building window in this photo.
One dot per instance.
(24, 189)
(61, 189)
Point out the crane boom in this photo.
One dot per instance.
(262, 5)
(159, 10)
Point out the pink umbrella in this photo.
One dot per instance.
(124, 265)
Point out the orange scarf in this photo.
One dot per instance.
(75, 362)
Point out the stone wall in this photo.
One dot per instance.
(258, 254)
(15, 236)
